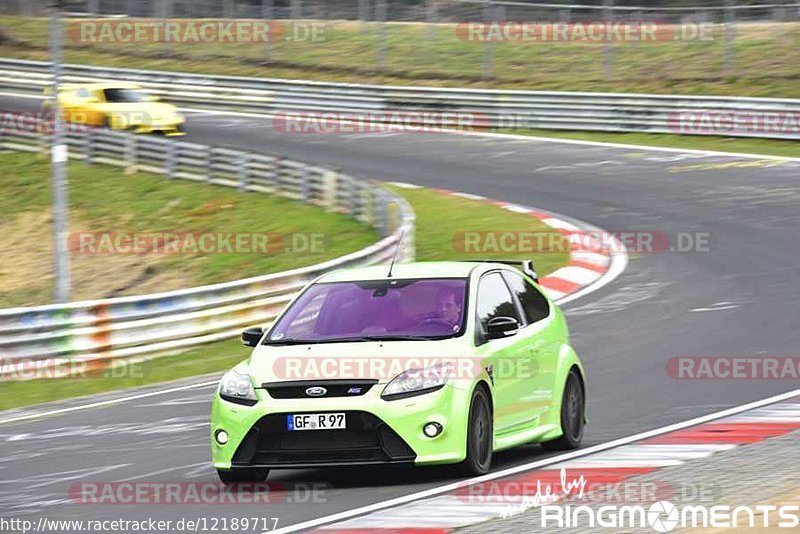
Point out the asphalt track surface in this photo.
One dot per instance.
(740, 298)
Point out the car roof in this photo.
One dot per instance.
(416, 270)
(101, 85)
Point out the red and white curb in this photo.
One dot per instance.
(596, 256)
(467, 505)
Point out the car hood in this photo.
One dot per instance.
(350, 361)
(152, 109)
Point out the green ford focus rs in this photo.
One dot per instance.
(421, 363)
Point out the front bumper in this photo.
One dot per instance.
(378, 431)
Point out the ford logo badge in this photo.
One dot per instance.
(316, 391)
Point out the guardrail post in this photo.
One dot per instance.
(243, 168)
(130, 153)
(329, 188)
(305, 185)
(383, 214)
(209, 164)
(88, 146)
(44, 140)
(355, 198)
(172, 159)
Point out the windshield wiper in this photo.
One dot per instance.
(404, 338)
(288, 341)
(355, 339)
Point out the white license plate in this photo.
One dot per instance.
(315, 421)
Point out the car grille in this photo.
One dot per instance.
(367, 440)
(334, 388)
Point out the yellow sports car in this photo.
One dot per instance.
(119, 106)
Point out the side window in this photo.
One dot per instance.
(534, 303)
(494, 300)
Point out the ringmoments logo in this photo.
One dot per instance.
(664, 516)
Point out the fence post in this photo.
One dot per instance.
(488, 45)
(130, 153)
(430, 18)
(730, 36)
(607, 50)
(243, 170)
(380, 15)
(267, 13)
(363, 15)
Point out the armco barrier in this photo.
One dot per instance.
(166, 322)
(491, 108)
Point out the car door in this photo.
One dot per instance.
(542, 343)
(505, 357)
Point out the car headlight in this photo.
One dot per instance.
(238, 388)
(417, 382)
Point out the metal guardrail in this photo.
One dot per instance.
(167, 322)
(611, 112)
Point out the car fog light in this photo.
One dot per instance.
(432, 429)
(222, 437)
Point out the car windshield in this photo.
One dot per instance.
(124, 95)
(374, 310)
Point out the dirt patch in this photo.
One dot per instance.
(26, 265)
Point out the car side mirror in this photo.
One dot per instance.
(252, 336)
(499, 327)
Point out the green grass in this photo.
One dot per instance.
(771, 147)
(767, 59)
(439, 218)
(200, 360)
(103, 199)
(442, 220)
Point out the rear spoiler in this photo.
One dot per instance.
(526, 266)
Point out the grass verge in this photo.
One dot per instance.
(104, 203)
(439, 218)
(767, 58)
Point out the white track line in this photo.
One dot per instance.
(109, 402)
(348, 514)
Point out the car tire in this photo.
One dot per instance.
(480, 435)
(573, 415)
(239, 476)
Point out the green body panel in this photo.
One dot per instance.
(526, 382)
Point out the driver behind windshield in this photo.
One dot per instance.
(448, 308)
